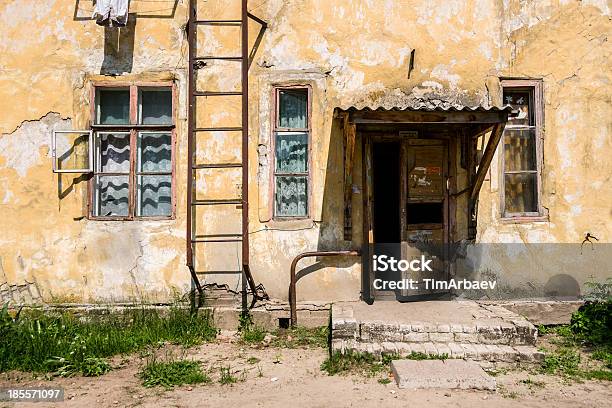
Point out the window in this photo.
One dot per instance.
(133, 153)
(522, 152)
(291, 152)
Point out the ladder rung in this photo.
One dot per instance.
(216, 202)
(207, 93)
(218, 22)
(216, 166)
(217, 272)
(210, 57)
(201, 240)
(219, 129)
(201, 236)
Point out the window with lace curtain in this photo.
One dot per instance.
(522, 150)
(133, 161)
(291, 152)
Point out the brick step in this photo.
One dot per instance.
(476, 352)
(517, 332)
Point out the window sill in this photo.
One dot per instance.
(524, 219)
(290, 224)
(131, 219)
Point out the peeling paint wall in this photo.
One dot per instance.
(351, 53)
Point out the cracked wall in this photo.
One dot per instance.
(352, 53)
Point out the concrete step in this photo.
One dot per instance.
(475, 352)
(464, 322)
(447, 374)
(513, 333)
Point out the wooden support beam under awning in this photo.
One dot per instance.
(487, 157)
(349, 131)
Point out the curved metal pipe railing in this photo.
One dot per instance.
(292, 285)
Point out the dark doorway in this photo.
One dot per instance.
(386, 183)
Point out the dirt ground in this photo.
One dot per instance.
(292, 377)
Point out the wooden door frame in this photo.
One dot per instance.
(368, 294)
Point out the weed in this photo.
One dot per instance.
(369, 364)
(226, 376)
(253, 360)
(592, 322)
(250, 332)
(253, 335)
(172, 373)
(533, 383)
(494, 372)
(66, 345)
(604, 354)
(384, 381)
(259, 371)
(301, 337)
(563, 361)
(365, 363)
(603, 375)
(415, 355)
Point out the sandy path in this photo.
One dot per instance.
(300, 383)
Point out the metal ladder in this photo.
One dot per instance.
(195, 240)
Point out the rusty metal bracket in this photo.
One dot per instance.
(292, 284)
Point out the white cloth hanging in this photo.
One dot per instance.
(111, 13)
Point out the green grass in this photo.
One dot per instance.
(604, 354)
(602, 375)
(422, 356)
(369, 364)
(172, 373)
(226, 377)
(362, 363)
(65, 345)
(249, 331)
(253, 334)
(301, 337)
(564, 361)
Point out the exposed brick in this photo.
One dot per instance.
(444, 328)
(469, 351)
(444, 349)
(441, 337)
(465, 337)
(416, 337)
(469, 328)
(456, 328)
(417, 327)
(456, 350)
(430, 349)
(389, 347)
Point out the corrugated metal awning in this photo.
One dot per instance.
(430, 114)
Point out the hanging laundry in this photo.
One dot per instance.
(111, 13)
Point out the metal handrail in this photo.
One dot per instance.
(292, 284)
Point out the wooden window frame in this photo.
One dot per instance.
(535, 89)
(133, 128)
(276, 89)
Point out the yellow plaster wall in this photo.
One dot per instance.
(351, 53)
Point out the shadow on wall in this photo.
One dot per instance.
(79, 146)
(562, 286)
(331, 223)
(119, 48)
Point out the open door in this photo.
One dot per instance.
(424, 212)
